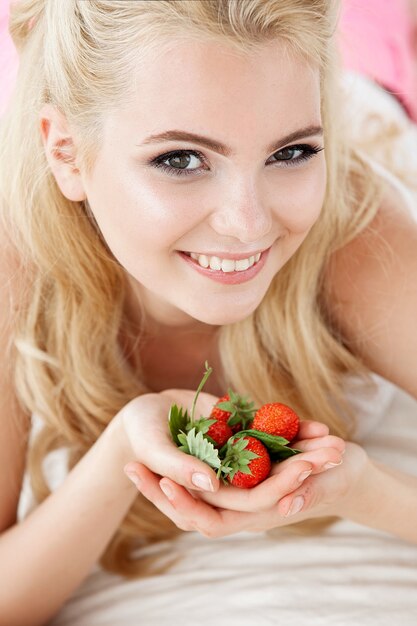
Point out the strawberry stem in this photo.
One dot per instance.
(199, 388)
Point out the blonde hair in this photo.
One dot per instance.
(70, 330)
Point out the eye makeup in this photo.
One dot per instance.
(290, 156)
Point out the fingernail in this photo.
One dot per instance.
(167, 490)
(296, 506)
(202, 481)
(304, 475)
(330, 465)
(134, 478)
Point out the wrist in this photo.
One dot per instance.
(116, 434)
(362, 498)
(384, 499)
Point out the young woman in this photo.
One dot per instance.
(176, 187)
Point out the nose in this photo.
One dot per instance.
(242, 213)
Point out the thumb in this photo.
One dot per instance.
(186, 470)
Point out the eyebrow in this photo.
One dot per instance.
(221, 148)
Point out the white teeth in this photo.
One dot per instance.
(203, 260)
(228, 265)
(242, 265)
(225, 265)
(215, 263)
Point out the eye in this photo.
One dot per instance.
(180, 162)
(292, 155)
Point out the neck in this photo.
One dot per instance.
(177, 360)
(173, 355)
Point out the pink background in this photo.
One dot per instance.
(375, 38)
(8, 57)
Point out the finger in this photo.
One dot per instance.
(328, 441)
(265, 494)
(148, 484)
(186, 512)
(153, 445)
(166, 459)
(309, 429)
(294, 505)
(195, 513)
(321, 460)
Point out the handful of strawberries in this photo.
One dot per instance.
(237, 440)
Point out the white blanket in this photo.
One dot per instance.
(349, 575)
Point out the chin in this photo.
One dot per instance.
(216, 317)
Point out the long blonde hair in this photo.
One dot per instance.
(70, 366)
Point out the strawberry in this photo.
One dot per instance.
(246, 462)
(277, 419)
(233, 409)
(220, 432)
(220, 414)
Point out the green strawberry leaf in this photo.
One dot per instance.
(197, 445)
(277, 446)
(178, 421)
(202, 425)
(263, 436)
(240, 408)
(284, 453)
(236, 458)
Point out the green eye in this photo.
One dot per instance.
(178, 162)
(292, 155)
(288, 154)
(181, 160)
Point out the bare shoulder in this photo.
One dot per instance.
(386, 246)
(371, 292)
(14, 424)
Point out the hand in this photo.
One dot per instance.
(232, 510)
(144, 421)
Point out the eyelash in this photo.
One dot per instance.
(308, 152)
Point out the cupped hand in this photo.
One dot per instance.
(320, 452)
(303, 479)
(144, 421)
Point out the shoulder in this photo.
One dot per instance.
(384, 248)
(370, 292)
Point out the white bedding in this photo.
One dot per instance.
(348, 575)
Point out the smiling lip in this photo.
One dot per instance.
(228, 278)
(229, 255)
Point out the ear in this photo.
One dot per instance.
(61, 153)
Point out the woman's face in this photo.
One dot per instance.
(218, 157)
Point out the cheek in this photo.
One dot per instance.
(301, 200)
(136, 214)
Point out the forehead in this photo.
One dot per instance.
(201, 86)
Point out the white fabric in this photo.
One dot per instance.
(347, 575)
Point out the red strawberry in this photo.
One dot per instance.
(220, 414)
(277, 419)
(248, 460)
(220, 432)
(233, 409)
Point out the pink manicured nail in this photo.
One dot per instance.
(330, 465)
(167, 490)
(134, 478)
(304, 475)
(202, 481)
(296, 506)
